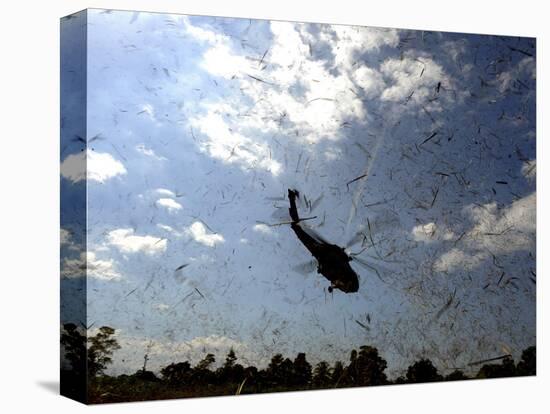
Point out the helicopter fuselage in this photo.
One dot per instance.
(333, 262)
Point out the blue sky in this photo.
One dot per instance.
(196, 127)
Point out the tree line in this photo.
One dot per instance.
(90, 357)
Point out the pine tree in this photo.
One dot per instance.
(321, 375)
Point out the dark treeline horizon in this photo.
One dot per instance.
(89, 358)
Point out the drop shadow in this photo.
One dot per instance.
(51, 386)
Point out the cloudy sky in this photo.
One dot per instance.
(196, 128)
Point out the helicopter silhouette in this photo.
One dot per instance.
(332, 260)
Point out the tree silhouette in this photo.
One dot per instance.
(423, 371)
(275, 371)
(74, 347)
(177, 373)
(337, 373)
(205, 363)
(73, 382)
(350, 373)
(506, 368)
(321, 375)
(201, 372)
(230, 371)
(301, 370)
(251, 372)
(456, 375)
(146, 375)
(101, 348)
(286, 373)
(366, 367)
(528, 363)
(230, 359)
(370, 367)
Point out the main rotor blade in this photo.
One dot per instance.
(314, 234)
(314, 204)
(306, 268)
(281, 213)
(382, 223)
(356, 238)
(380, 271)
(275, 198)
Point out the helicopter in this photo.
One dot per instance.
(332, 260)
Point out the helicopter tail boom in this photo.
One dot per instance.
(292, 194)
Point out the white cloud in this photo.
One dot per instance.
(220, 61)
(65, 236)
(100, 166)
(288, 46)
(522, 214)
(424, 232)
(459, 259)
(73, 167)
(165, 192)
(507, 79)
(141, 148)
(456, 50)
(127, 242)
(202, 34)
(161, 306)
(163, 352)
(529, 169)
(88, 264)
(214, 342)
(327, 100)
(370, 80)
(101, 269)
(149, 110)
(431, 232)
(169, 229)
(354, 39)
(73, 268)
(413, 78)
(504, 230)
(170, 204)
(198, 232)
(495, 231)
(262, 228)
(66, 239)
(333, 154)
(233, 147)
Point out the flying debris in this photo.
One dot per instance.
(182, 266)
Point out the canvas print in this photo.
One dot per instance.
(253, 206)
